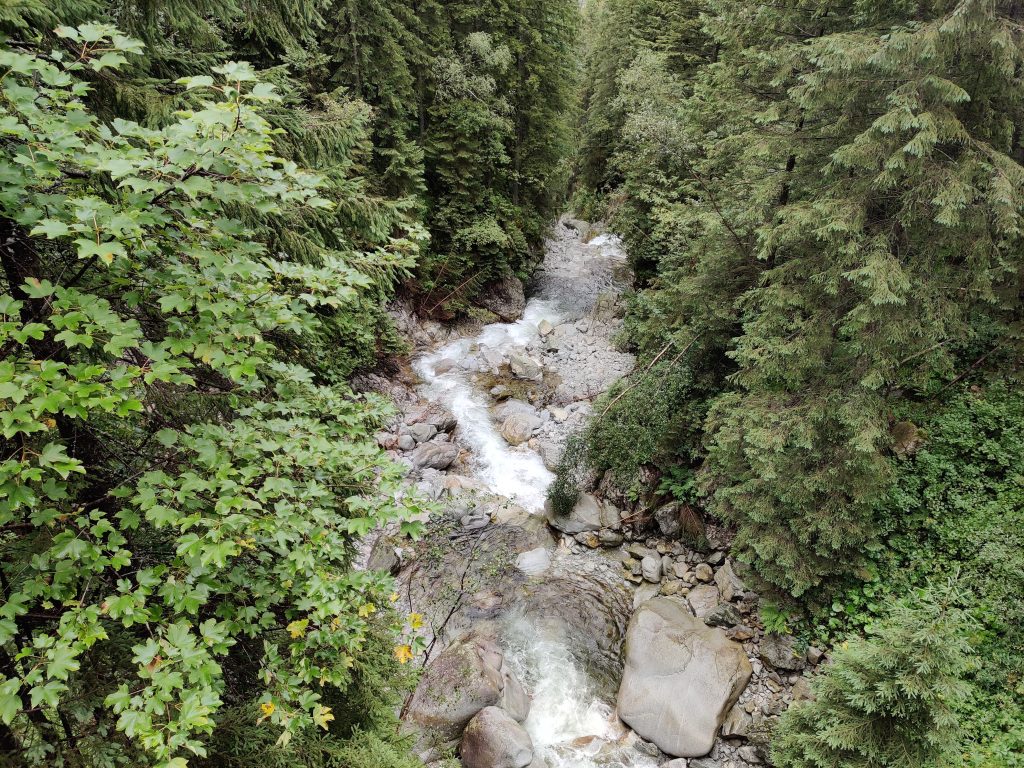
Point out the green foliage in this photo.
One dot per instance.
(885, 701)
(174, 489)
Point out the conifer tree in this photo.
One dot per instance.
(885, 701)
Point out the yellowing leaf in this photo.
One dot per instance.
(267, 708)
(415, 620)
(366, 609)
(322, 716)
(298, 628)
(404, 654)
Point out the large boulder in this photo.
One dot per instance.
(468, 676)
(681, 678)
(505, 298)
(589, 514)
(435, 456)
(519, 427)
(494, 740)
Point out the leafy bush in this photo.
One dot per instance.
(178, 499)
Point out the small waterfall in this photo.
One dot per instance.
(517, 473)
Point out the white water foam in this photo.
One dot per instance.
(517, 473)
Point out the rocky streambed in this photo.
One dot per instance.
(592, 639)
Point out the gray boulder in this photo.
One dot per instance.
(494, 740)
(681, 678)
(467, 677)
(435, 456)
(525, 367)
(669, 519)
(589, 514)
(422, 432)
(781, 652)
(519, 427)
(703, 599)
(650, 568)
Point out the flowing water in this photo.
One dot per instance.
(516, 473)
(561, 649)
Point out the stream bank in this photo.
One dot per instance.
(528, 616)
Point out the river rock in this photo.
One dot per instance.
(494, 740)
(729, 584)
(505, 298)
(669, 520)
(703, 599)
(544, 328)
(435, 456)
(468, 676)
(681, 678)
(525, 367)
(650, 569)
(437, 416)
(422, 432)
(780, 652)
(589, 514)
(704, 572)
(519, 427)
(493, 358)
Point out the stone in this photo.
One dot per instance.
(406, 442)
(715, 558)
(906, 438)
(474, 521)
(681, 678)
(704, 572)
(673, 587)
(814, 655)
(679, 762)
(505, 298)
(703, 599)
(780, 652)
(435, 455)
(384, 556)
(729, 584)
(519, 427)
(525, 367)
(422, 432)
(669, 519)
(589, 514)
(741, 632)
(644, 593)
(681, 570)
(468, 676)
(493, 739)
(736, 723)
(723, 615)
(650, 569)
(802, 690)
(492, 357)
(609, 538)
(545, 328)
(558, 414)
(749, 753)
(437, 416)
(534, 562)
(589, 539)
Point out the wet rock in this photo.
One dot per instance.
(589, 514)
(435, 455)
(525, 367)
(467, 677)
(505, 298)
(544, 328)
(703, 600)
(493, 358)
(534, 562)
(650, 569)
(681, 678)
(493, 739)
(519, 427)
(422, 432)
(729, 584)
(781, 652)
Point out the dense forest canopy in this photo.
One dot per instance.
(208, 206)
